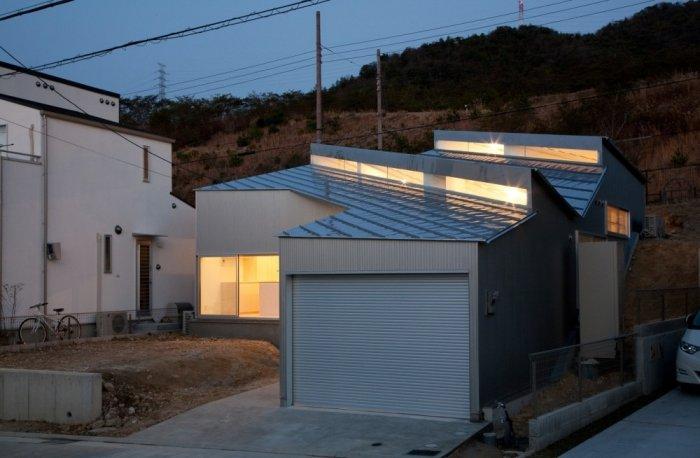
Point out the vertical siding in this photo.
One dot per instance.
(309, 256)
(533, 270)
(622, 189)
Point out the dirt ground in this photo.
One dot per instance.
(149, 379)
(670, 262)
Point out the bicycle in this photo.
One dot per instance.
(36, 329)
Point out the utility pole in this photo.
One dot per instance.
(161, 81)
(379, 99)
(319, 111)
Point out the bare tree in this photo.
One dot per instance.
(8, 306)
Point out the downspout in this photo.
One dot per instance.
(45, 207)
(1, 221)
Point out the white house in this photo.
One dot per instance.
(88, 222)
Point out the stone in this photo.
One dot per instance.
(108, 386)
(131, 410)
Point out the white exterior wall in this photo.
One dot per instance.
(248, 222)
(363, 256)
(103, 193)
(23, 86)
(90, 192)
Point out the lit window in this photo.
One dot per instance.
(471, 147)
(405, 176)
(562, 154)
(146, 172)
(379, 171)
(492, 191)
(617, 221)
(245, 286)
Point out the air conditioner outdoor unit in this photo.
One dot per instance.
(653, 227)
(112, 323)
(187, 316)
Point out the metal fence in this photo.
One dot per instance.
(665, 303)
(565, 375)
(672, 184)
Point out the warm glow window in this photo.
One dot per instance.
(618, 221)
(245, 286)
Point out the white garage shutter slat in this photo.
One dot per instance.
(384, 343)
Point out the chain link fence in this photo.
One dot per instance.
(565, 375)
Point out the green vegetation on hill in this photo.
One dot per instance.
(493, 71)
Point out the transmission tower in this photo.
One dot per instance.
(521, 10)
(161, 81)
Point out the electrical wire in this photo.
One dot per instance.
(459, 119)
(330, 48)
(253, 16)
(106, 126)
(32, 9)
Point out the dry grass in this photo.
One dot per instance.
(646, 112)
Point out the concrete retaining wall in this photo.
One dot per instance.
(657, 344)
(252, 329)
(52, 396)
(549, 428)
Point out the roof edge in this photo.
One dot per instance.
(58, 79)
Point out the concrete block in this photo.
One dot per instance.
(553, 426)
(52, 396)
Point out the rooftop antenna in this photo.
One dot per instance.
(521, 11)
(161, 81)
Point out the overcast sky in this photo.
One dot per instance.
(87, 25)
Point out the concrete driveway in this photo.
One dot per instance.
(254, 422)
(669, 426)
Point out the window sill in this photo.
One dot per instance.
(233, 319)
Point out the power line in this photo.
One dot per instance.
(329, 48)
(400, 42)
(106, 126)
(471, 29)
(253, 16)
(460, 119)
(32, 9)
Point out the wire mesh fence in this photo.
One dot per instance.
(672, 184)
(565, 375)
(667, 303)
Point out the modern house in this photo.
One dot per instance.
(88, 222)
(419, 284)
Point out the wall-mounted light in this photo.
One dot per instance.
(174, 205)
(118, 229)
(38, 84)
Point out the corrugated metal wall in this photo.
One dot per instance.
(354, 256)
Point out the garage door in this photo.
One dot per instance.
(384, 343)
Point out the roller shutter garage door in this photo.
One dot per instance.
(382, 343)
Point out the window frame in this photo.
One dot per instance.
(628, 224)
(107, 251)
(146, 164)
(236, 315)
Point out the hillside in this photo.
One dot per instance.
(494, 81)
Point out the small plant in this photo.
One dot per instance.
(234, 160)
(8, 302)
(242, 141)
(255, 133)
(273, 130)
(679, 159)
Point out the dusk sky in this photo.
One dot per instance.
(87, 25)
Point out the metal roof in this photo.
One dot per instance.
(576, 183)
(385, 209)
